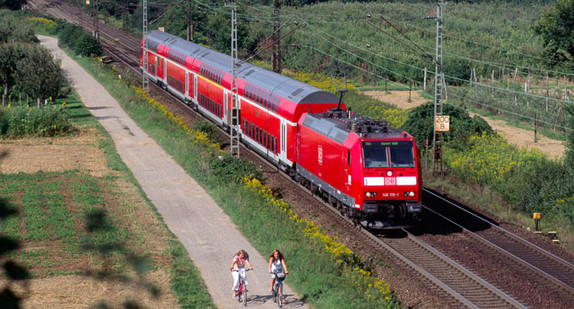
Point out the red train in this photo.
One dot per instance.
(368, 170)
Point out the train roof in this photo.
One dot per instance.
(338, 124)
(283, 86)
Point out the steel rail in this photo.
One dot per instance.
(545, 263)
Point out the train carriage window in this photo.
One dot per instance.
(257, 93)
(267, 97)
(259, 135)
(278, 103)
(260, 96)
(250, 92)
(273, 100)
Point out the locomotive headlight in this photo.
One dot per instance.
(370, 194)
(409, 193)
(389, 173)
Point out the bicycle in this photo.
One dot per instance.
(242, 290)
(278, 288)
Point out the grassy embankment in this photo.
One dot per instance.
(54, 210)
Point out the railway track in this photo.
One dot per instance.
(549, 271)
(460, 287)
(454, 282)
(122, 47)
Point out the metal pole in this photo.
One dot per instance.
(438, 85)
(189, 21)
(235, 107)
(96, 20)
(145, 81)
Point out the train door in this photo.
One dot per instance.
(283, 143)
(226, 101)
(186, 86)
(347, 172)
(191, 85)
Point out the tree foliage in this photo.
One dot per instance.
(12, 4)
(557, 30)
(420, 124)
(13, 29)
(76, 39)
(569, 158)
(38, 74)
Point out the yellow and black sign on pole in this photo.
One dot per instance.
(442, 123)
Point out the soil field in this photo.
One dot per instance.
(553, 149)
(64, 274)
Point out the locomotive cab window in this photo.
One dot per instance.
(388, 154)
(402, 155)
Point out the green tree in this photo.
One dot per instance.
(557, 30)
(38, 74)
(10, 54)
(12, 4)
(14, 30)
(420, 124)
(570, 141)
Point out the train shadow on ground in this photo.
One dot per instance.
(454, 211)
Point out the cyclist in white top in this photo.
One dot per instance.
(276, 263)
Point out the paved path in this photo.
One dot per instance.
(207, 233)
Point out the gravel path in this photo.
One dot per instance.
(203, 228)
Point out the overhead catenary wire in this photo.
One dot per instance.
(452, 79)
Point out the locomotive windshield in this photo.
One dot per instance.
(384, 154)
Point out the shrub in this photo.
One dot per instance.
(206, 127)
(462, 127)
(367, 106)
(88, 46)
(486, 159)
(536, 187)
(68, 35)
(24, 121)
(43, 24)
(231, 169)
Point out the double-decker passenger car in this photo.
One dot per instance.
(304, 130)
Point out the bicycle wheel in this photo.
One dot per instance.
(275, 294)
(280, 296)
(244, 296)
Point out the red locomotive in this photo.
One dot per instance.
(370, 171)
